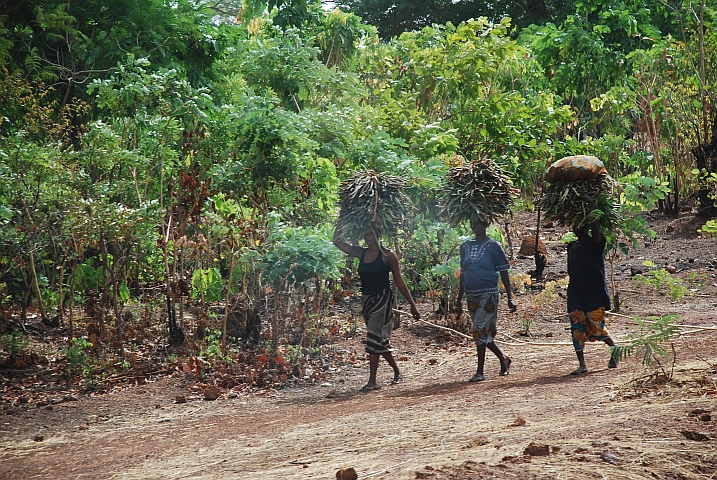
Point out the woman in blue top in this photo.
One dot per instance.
(587, 291)
(482, 262)
(375, 264)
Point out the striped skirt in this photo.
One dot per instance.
(378, 314)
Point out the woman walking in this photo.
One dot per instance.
(375, 264)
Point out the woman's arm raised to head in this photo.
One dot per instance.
(594, 226)
(351, 250)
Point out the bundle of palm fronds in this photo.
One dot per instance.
(369, 199)
(477, 190)
(565, 202)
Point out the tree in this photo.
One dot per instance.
(392, 18)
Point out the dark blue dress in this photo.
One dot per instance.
(587, 290)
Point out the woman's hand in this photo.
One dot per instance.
(512, 305)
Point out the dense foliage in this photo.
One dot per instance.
(154, 153)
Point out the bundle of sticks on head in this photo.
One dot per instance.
(478, 190)
(371, 201)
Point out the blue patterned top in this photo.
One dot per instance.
(481, 263)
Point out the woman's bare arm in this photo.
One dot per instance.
(400, 283)
(350, 250)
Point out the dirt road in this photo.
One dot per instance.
(600, 425)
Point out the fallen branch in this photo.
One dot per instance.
(437, 326)
(520, 343)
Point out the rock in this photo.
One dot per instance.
(608, 457)
(696, 436)
(537, 450)
(346, 474)
(212, 392)
(180, 399)
(697, 412)
(527, 247)
(636, 271)
(38, 438)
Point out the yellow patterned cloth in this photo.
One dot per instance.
(587, 327)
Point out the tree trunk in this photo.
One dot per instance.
(706, 159)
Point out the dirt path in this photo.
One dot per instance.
(596, 426)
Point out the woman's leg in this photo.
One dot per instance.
(372, 369)
(581, 358)
(478, 377)
(392, 361)
(504, 361)
(613, 359)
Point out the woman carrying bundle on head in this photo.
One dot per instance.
(370, 204)
(482, 262)
(579, 194)
(587, 294)
(479, 192)
(375, 264)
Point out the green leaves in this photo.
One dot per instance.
(207, 284)
(653, 332)
(298, 255)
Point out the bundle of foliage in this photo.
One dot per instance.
(477, 190)
(371, 200)
(566, 202)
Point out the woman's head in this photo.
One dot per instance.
(580, 230)
(372, 235)
(479, 226)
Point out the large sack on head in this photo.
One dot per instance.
(576, 167)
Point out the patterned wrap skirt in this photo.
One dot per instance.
(484, 314)
(378, 314)
(587, 327)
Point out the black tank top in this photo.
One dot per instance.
(374, 275)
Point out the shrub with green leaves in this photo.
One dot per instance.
(14, 343)
(663, 282)
(77, 353)
(649, 339)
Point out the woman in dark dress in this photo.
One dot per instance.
(588, 298)
(375, 264)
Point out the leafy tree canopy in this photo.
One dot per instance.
(392, 18)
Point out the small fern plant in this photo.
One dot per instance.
(649, 340)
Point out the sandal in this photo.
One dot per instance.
(477, 378)
(505, 366)
(579, 371)
(398, 378)
(369, 388)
